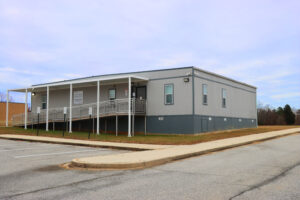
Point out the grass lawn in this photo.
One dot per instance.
(150, 139)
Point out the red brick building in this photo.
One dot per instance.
(298, 117)
(14, 108)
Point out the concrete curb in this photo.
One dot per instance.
(65, 141)
(136, 160)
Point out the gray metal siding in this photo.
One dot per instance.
(61, 98)
(239, 102)
(182, 97)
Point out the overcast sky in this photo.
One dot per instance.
(255, 41)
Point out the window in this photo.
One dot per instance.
(44, 102)
(169, 94)
(112, 94)
(204, 94)
(78, 97)
(223, 98)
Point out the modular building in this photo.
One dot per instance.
(184, 100)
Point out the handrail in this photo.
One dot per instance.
(110, 107)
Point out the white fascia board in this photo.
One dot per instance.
(29, 89)
(140, 77)
(89, 80)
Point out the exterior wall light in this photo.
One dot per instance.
(33, 94)
(186, 79)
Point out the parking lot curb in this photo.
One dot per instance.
(99, 144)
(149, 158)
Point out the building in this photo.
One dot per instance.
(183, 100)
(14, 109)
(297, 117)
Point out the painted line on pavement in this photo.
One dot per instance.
(16, 149)
(5, 145)
(37, 148)
(49, 154)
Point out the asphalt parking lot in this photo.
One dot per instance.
(267, 170)
(30, 165)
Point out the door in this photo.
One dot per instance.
(141, 92)
(204, 127)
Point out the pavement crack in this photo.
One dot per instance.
(267, 181)
(188, 173)
(59, 186)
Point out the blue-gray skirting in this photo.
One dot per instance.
(164, 124)
(192, 124)
(178, 124)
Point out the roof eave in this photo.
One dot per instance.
(224, 77)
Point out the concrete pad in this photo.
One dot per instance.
(113, 145)
(160, 156)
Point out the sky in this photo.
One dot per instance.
(253, 41)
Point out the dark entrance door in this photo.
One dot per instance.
(141, 92)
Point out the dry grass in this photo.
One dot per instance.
(151, 139)
(2, 123)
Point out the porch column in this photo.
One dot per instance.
(98, 109)
(70, 113)
(129, 106)
(7, 101)
(26, 109)
(47, 111)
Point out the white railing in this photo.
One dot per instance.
(106, 108)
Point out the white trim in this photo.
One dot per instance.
(98, 107)
(85, 80)
(70, 111)
(129, 106)
(90, 80)
(47, 111)
(29, 89)
(26, 109)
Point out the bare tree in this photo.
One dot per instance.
(280, 116)
(3, 97)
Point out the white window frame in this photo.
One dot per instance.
(43, 101)
(78, 97)
(204, 94)
(165, 95)
(115, 94)
(224, 98)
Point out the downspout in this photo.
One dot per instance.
(193, 90)
(256, 108)
(193, 97)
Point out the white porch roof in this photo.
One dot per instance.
(82, 82)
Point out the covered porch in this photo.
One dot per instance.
(102, 105)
